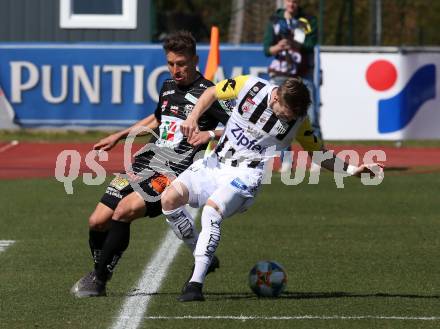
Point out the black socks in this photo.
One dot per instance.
(117, 241)
(96, 243)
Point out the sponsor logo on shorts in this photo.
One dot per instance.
(119, 183)
(239, 184)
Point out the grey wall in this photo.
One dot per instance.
(38, 20)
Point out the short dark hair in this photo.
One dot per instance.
(295, 95)
(181, 42)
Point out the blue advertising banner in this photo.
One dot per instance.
(98, 85)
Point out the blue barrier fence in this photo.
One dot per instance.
(90, 85)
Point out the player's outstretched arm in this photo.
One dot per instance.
(336, 164)
(190, 126)
(110, 141)
(374, 169)
(321, 156)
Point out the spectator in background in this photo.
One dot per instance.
(290, 37)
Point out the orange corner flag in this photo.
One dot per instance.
(212, 64)
(214, 54)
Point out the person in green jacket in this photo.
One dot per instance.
(290, 37)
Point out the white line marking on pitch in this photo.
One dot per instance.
(134, 308)
(299, 317)
(8, 146)
(4, 244)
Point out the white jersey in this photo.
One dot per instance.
(231, 177)
(253, 132)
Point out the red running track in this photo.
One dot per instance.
(31, 160)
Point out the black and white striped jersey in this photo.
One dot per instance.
(168, 150)
(253, 132)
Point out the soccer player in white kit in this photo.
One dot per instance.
(265, 118)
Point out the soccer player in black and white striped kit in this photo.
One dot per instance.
(266, 118)
(136, 193)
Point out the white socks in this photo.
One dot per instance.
(182, 224)
(207, 244)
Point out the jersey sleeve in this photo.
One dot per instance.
(230, 88)
(219, 112)
(158, 110)
(307, 139)
(158, 113)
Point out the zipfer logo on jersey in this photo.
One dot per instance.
(244, 140)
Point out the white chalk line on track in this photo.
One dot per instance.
(297, 317)
(8, 146)
(4, 244)
(132, 312)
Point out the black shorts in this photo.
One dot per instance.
(151, 187)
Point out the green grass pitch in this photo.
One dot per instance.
(358, 251)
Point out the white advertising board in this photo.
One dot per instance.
(380, 96)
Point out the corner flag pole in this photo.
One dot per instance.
(214, 55)
(212, 63)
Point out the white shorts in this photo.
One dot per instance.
(233, 189)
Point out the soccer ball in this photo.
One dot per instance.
(267, 279)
